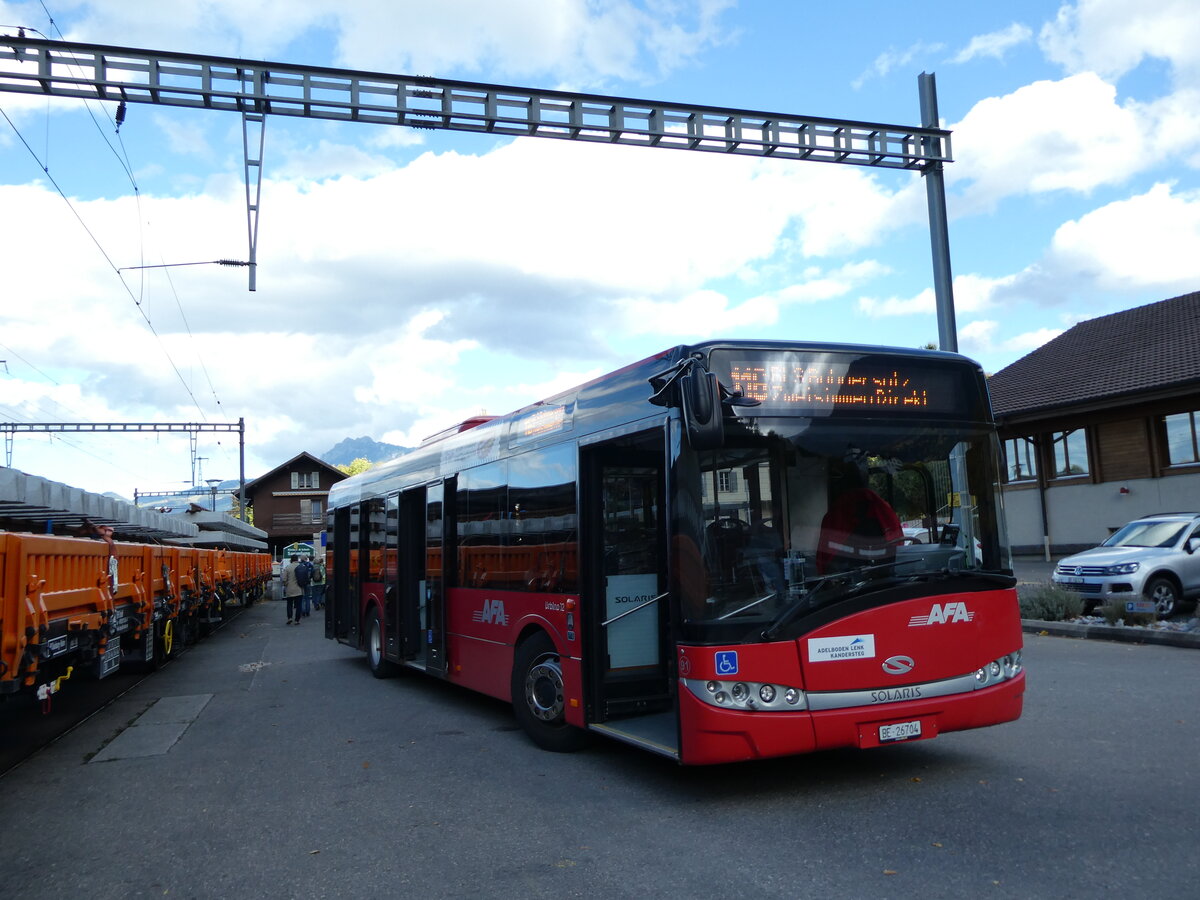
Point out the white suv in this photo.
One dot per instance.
(1156, 557)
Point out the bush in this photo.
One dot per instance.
(1050, 603)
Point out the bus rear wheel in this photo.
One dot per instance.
(381, 667)
(539, 697)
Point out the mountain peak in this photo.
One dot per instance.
(347, 450)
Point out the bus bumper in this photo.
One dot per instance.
(712, 735)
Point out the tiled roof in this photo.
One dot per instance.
(1146, 349)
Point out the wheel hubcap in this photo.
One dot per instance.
(1164, 599)
(544, 689)
(376, 644)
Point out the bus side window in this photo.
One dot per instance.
(544, 521)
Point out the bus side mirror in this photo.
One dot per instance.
(702, 414)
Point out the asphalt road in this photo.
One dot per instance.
(293, 773)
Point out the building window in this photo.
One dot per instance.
(1182, 446)
(1070, 453)
(1020, 457)
(306, 480)
(311, 512)
(727, 481)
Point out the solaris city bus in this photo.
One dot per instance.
(649, 556)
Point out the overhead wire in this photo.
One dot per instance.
(138, 300)
(107, 259)
(123, 160)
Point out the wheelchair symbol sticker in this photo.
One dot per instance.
(726, 661)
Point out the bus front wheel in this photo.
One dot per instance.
(539, 697)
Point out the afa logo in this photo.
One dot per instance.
(491, 614)
(943, 613)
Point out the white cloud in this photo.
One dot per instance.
(701, 314)
(981, 337)
(379, 295)
(1031, 340)
(977, 337)
(1112, 37)
(895, 59)
(1143, 246)
(583, 42)
(922, 303)
(819, 285)
(185, 136)
(1146, 241)
(995, 44)
(972, 293)
(1068, 135)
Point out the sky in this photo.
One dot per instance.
(408, 279)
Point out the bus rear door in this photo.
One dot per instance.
(342, 600)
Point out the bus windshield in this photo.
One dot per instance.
(800, 514)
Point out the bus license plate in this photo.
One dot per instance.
(900, 731)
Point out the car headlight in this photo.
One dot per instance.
(1123, 568)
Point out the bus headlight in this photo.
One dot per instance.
(747, 695)
(998, 670)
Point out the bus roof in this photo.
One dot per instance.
(615, 398)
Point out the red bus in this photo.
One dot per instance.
(657, 555)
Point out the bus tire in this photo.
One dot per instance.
(380, 666)
(539, 698)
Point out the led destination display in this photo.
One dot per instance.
(817, 383)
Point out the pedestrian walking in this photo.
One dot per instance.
(318, 583)
(304, 570)
(293, 593)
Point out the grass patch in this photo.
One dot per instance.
(1051, 603)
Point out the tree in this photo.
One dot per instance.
(235, 511)
(356, 465)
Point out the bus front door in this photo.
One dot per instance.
(628, 613)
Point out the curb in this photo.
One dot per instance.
(1112, 633)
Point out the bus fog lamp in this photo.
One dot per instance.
(747, 696)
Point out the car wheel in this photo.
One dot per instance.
(1165, 595)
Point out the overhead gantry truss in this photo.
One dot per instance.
(97, 72)
(192, 429)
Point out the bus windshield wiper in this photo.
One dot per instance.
(854, 580)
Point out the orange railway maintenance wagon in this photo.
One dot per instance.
(76, 607)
